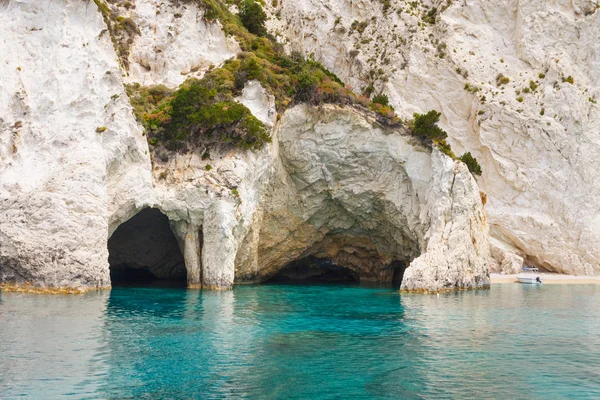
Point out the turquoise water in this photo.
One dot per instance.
(303, 342)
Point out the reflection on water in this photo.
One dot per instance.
(290, 341)
(48, 343)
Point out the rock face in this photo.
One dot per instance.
(69, 144)
(75, 167)
(536, 135)
(174, 43)
(366, 197)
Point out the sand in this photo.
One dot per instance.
(549, 279)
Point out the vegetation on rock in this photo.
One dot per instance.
(424, 126)
(381, 99)
(533, 85)
(471, 163)
(568, 79)
(205, 109)
(502, 80)
(122, 29)
(199, 112)
(253, 17)
(430, 16)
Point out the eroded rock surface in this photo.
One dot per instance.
(364, 196)
(70, 148)
(74, 166)
(175, 42)
(536, 136)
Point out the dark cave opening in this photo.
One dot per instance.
(311, 270)
(144, 252)
(399, 268)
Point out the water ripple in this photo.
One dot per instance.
(302, 342)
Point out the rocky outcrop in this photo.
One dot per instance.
(366, 196)
(69, 144)
(499, 73)
(175, 42)
(75, 166)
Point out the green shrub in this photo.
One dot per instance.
(386, 5)
(253, 17)
(502, 80)
(471, 88)
(446, 149)
(199, 109)
(381, 99)
(359, 26)
(146, 99)
(533, 85)
(568, 79)
(430, 16)
(471, 163)
(425, 126)
(306, 87)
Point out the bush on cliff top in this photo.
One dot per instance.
(199, 109)
(205, 109)
(471, 163)
(381, 99)
(424, 126)
(253, 17)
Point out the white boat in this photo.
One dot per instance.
(529, 278)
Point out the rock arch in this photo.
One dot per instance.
(145, 249)
(371, 198)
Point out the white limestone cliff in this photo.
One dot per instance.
(366, 196)
(175, 43)
(74, 166)
(69, 143)
(538, 150)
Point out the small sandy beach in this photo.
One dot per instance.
(549, 279)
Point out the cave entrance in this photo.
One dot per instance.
(144, 252)
(312, 269)
(398, 267)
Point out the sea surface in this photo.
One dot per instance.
(303, 342)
